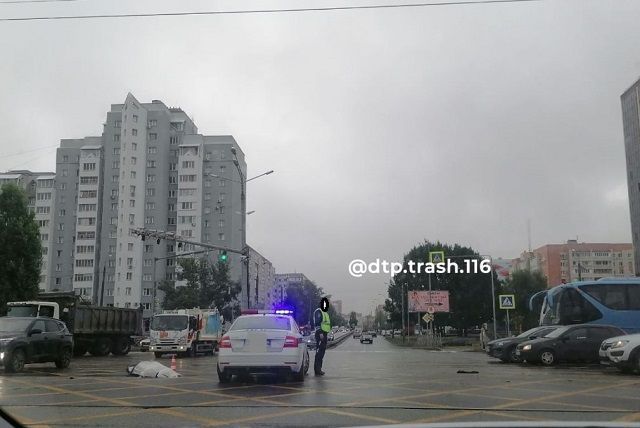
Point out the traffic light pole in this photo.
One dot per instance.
(155, 282)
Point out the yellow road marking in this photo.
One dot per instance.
(66, 420)
(357, 415)
(265, 416)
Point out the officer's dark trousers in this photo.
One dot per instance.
(321, 347)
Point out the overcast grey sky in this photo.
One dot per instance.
(385, 127)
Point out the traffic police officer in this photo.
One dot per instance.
(322, 333)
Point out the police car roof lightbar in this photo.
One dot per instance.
(266, 311)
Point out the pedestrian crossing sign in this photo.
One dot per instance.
(436, 256)
(507, 301)
(428, 317)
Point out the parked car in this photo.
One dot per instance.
(578, 342)
(25, 340)
(505, 349)
(622, 352)
(366, 337)
(145, 344)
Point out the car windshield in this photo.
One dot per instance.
(13, 325)
(170, 322)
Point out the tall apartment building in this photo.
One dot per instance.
(578, 260)
(337, 304)
(261, 279)
(148, 169)
(41, 193)
(630, 100)
(278, 292)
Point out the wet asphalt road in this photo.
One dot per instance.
(374, 384)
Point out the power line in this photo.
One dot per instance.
(34, 1)
(28, 151)
(261, 11)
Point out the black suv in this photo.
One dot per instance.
(34, 340)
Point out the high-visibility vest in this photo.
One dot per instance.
(326, 322)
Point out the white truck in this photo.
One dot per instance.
(185, 332)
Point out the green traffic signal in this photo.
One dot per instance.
(222, 257)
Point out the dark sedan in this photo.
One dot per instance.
(34, 340)
(579, 342)
(505, 349)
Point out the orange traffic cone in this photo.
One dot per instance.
(173, 362)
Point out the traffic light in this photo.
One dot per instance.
(222, 257)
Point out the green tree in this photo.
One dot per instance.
(353, 319)
(20, 248)
(469, 293)
(303, 299)
(523, 284)
(207, 286)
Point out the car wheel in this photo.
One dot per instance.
(121, 346)
(307, 362)
(64, 360)
(79, 350)
(547, 357)
(16, 361)
(101, 348)
(223, 377)
(157, 354)
(299, 375)
(513, 356)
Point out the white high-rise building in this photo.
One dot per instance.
(149, 169)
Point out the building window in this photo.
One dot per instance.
(134, 147)
(173, 179)
(65, 172)
(153, 136)
(187, 205)
(172, 207)
(171, 221)
(173, 140)
(117, 124)
(65, 158)
(149, 220)
(172, 193)
(135, 118)
(173, 166)
(221, 236)
(89, 167)
(150, 206)
(151, 178)
(152, 150)
(150, 192)
(133, 160)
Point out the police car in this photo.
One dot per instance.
(263, 342)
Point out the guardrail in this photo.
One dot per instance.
(338, 339)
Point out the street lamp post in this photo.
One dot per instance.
(243, 213)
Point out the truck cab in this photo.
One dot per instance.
(33, 309)
(185, 332)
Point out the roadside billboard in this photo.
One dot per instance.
(429, 301)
